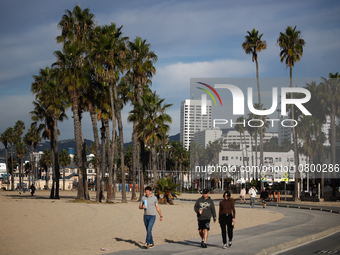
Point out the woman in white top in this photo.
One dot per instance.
(243, 195)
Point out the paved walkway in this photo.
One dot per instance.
(298, 226)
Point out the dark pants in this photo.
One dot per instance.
(226, 221)
(149, 220)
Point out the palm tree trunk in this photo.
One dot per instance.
(333, 149)
(121, 140)
(97, 144)
(20, 184)
(7, 168)
(120, 128)
(260, 104)
(110, 158)
(53, 160)
(134, 162)
(296, 154)
(56, 158)
(64, 178)
(103, 162)
(115, 167)
(12, 165)
(141, 188)
(154, 166)
(79, 147)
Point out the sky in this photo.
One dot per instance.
(192, 39)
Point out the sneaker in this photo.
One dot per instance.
(151, 246)
(225, 246)
(204, 245)
(145, 246)
(230, 243)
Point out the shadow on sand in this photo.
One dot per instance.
(27, 195)
(128, 241)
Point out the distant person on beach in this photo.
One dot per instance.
(150, 205)
(252, 193)
(226, 218)
(243, 194)
(264, 197)
(32, 189)
(205, 208)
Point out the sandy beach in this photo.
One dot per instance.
(38, 225)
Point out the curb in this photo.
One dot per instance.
(298, 241)
(297, 206)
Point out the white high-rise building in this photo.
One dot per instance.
(192, 120)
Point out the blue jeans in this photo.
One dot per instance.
(149, 220)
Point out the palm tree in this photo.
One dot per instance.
(19, 127)
(109, 53)
(329, 94)
(36, 138)
(46, 163)
(252, 45)
(76, 29)
(50, 106)
(291, 46)
(166, 187)
(141, 70)
(71, 75)
(4, 140)
(28, 141)
(21, 151)
(152, 123)
(10, 139)
(64, 160)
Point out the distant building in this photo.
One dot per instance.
(231, 136)
(203, 137)
(285, 133)
(192, 120)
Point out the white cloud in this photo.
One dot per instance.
(173, 81)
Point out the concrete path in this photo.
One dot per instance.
(298, 226)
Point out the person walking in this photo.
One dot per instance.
(204, 208)
(243, 194)
(226, 218)
(149, 204)
(264, 197)
(32, 189)
(252, 193)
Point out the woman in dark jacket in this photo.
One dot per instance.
(226, 218)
